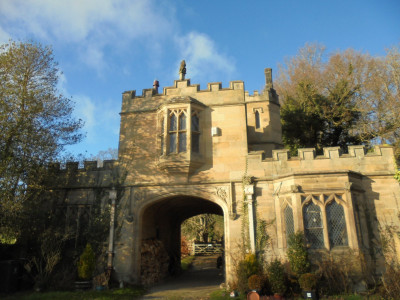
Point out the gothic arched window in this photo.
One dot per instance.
(172, 132)
(336, 225)
(313, 227)
(289, 222)
(182, 133)
(179, 139)
(195, 133)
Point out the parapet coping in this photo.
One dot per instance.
(358, 151)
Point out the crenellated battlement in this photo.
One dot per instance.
(333, 158)
(73, 166)
(88, 176)
(184, 84)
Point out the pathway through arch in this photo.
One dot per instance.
(197, 283)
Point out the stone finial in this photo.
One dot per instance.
(182, 70)
(268, 79)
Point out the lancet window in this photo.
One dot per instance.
(257, 119)
(195, 132)
(313, 227)
(336, 224)
(289, 221)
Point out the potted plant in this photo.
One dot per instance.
(308, 284)
(255, 282)
(86, 265)
(277, 279)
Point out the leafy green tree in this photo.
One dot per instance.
(380, 100)
(35, 124)
(203, 227)
(340, 99)
(318, 96)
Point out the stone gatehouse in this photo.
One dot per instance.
(184, 151)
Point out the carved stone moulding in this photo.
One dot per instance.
(180, 163)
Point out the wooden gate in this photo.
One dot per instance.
(207, 248)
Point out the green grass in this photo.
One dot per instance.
(125, 293)
(186, 263)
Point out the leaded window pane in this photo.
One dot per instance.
(172, 143)
(336, 225)
(182, 122)
(182, 141)
(172, 123)
(289, 222)
(313, 227)
(195, 142)
(195, 123)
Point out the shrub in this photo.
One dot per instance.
(277, 278)
(336, 273)
(247, 267)
(308, 281)
(297, 254)
(86, 263)
(255, 282)
(390, 288)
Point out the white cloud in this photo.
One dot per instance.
(93, 57)
(92, 25)
(202, 56)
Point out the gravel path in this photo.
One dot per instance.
(196, 283)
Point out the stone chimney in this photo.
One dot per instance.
(268, 79)
(156, 84)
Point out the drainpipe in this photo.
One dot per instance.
(113, 197)
(249, 191)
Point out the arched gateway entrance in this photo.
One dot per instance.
(157, 219)
(161, 233)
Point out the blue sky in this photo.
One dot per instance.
(105, 47)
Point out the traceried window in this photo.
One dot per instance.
(324, 221)
(336, 225)
(289, 222)
(180, 135)
(181, 131)
(313, 227)
(177, 131)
